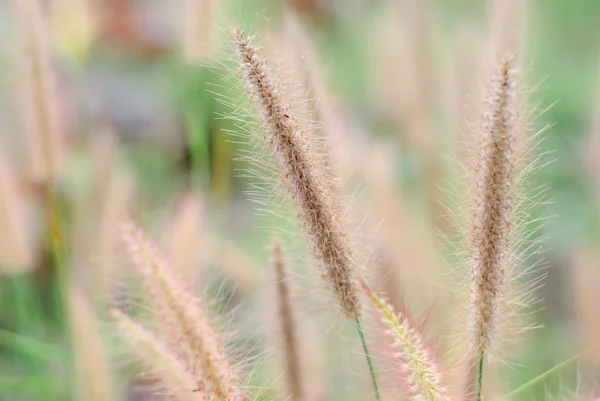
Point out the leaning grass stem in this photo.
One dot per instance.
(59, 259)
(194, 102)
(547, 373)
(480, 378)
(57, 249)
(361, 334)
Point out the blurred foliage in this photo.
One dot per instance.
(140, 87)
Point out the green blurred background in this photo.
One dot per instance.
(122, 72)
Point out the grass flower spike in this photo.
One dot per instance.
(492, 218)
(423, 379)
(186, 329)
(305, 178)
(175, 376)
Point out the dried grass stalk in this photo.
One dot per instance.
(186, 241)
(43, 125)
(175, 377)
(92, 366)
(198, 30)
(288, 332)
(16, 247)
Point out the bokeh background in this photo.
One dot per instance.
(135, 129)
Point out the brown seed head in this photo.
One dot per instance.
(186, 327)
(305, 179)
(493, 206)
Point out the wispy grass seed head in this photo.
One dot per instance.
(186, 328)
(493, 206)
(418, 365)
(305, 178)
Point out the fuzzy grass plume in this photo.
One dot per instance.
(423, 380)
(305, 178)
(493, 205)
(175, 377)
(185, 328)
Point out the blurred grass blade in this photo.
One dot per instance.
(29, 346)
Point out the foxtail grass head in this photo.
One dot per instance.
(189, 342)
(417, 363)
(493, 206)
(305, 177)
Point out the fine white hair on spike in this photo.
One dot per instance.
(304, 175)
(492, 206)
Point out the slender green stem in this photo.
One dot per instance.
(59, 260)
(480, 378)
(361, 334)
(57, 249)
(547, 373)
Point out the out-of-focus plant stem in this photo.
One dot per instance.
(361, 334)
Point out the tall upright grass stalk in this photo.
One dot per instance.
(176, 378)
(198, 30)
(306, 180)
(16, 245)
(197, 48)
(492, 219)
(185, 327)
(585, 279)
(288, 331)
(44, 129)
(92, 366)
(42, 123)
(593, 151)
(185, 238)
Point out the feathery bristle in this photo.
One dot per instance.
(288, 332)
(492, 218)
(186, 327)
(423, 379)
(305, 179)
(174, 375)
